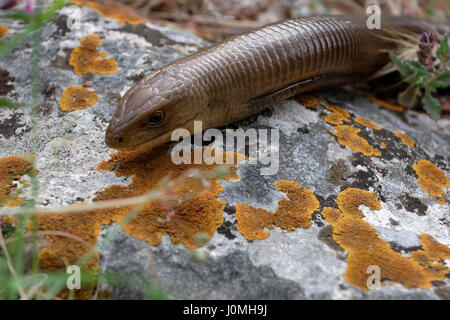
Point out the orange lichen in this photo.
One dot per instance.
(386, 105)
(12, 169)
(348, 136)
(331, 215)
(351, 198)
(77, 98)
(335, 118)
(309, 101)
(365, 248)
(252, 221)
(367, 123)
(405, 139)
(297, 211)
(186, 210)
(337, 115)
(3, 31)
(431, 179)
(434, 250)
(337, 109)
(292, 213)
(86, 58)
(383, 145)
(9, 220)
(114, 10)
(183, 212)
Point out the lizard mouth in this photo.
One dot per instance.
(150, 144)
(155, 141)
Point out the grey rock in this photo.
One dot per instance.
(302, 264)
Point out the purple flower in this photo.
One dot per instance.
(9, 4)
(28, 8)
(425, 52)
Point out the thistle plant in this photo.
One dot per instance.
(425, 55)
(427, 74)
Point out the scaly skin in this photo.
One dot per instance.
(239, 77)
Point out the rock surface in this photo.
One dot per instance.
(303, 263)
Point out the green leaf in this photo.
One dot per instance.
(405, 72)
(443, 49)
(418, 68)
(421, 85)
(18, 16)
(6, 103)
(431, 105)
(411, 71)
(442, 81)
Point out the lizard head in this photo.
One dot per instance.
(152, 109)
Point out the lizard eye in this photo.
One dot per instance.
(156, 118)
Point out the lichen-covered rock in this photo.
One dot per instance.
(358, 185)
